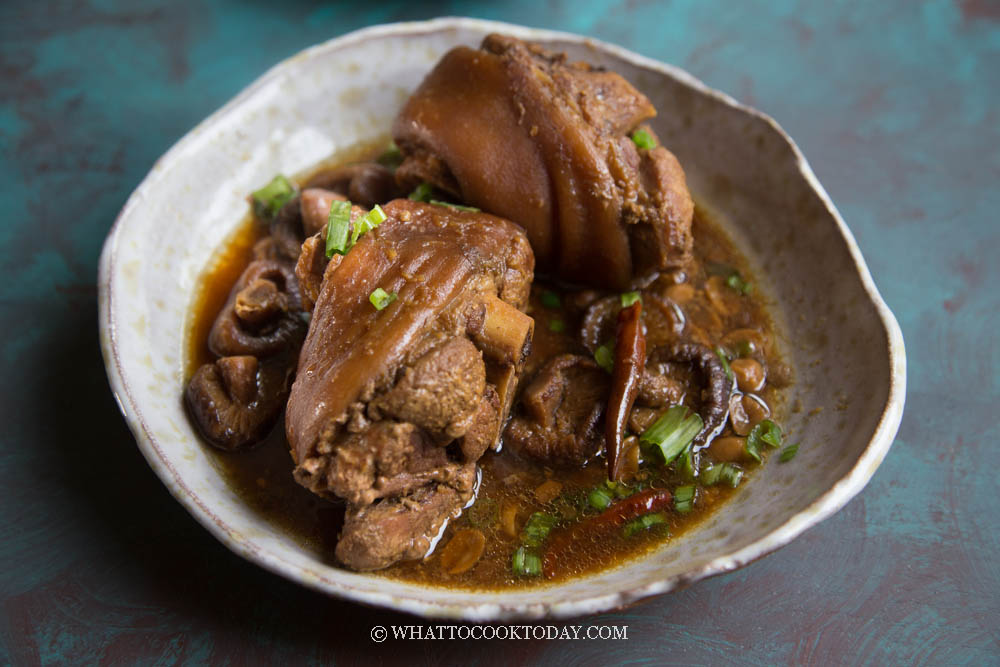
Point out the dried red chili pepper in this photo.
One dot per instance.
(621, 512)
(630, 360)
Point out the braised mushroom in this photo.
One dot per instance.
(236, 401)
(261, 317)
(717, 385)
(365, 183)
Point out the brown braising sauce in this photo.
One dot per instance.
(511, 489)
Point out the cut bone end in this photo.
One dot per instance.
(505, 333)
(504, 378)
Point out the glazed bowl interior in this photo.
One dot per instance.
(840, 339)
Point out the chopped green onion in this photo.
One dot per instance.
(673, 431)
(338, 228)
(644, 523)
(735, 281)
(380, 298)
(684, 493)
(550, 299)
(687, 464)
(721, 354)
(772, 433)
(391, 157)
(788, 453)
(339, 236)
(599, 499)
(422, 192)
(375, 217)
(557, 325)
(628, 298)
(722, 473)
(526, 563)
(765, 433)
(368, 222)
(457, 207)
(537, 528)
(620, 489)
(604, 357)
(710, 475)
(643, 139)
(517, 563)
(731, 475)
(684, 498)
(269, 199)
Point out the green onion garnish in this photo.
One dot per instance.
(644, 523)
(537, 528)
(599, 499)
(673, 431)
(368, 222)
(730, 475)
(339, 237)
(604, 357)
(550, 299)
(628, 298)
(722, 473)
(380, 298)
(422, 192)
(721, 354)
(643, 139)
(772, 433)
(526, 563)
(684, 498)
(338, 228)
(557, 325)
(620, 489)
(710, 475)
(687, 464)
(269, 199)
(457, 207)
(765, 433)
(735, 281)
(788, 453)
(391, 157)
(752, 448)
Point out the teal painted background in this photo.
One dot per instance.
(897, 106)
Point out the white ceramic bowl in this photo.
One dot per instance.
(847, 349)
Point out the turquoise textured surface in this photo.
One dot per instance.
(897, 106)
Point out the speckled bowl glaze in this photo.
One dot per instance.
(841, 339)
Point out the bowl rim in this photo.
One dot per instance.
(490, 609)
